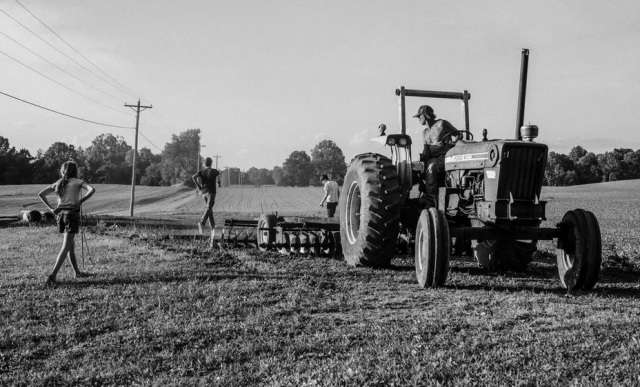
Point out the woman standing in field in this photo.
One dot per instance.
(69, 191)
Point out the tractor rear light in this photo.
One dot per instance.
(491, 173)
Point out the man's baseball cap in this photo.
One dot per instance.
(424, 110)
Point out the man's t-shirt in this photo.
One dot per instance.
(440, 133)
(71, 194)
(331, 188)
(438, 136)
(209, 178)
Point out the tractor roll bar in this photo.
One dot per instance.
(402, 93)
(431, 93)
(522, 91)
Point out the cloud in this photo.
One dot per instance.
(320, 137)
(360, 137)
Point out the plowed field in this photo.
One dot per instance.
(615, 204)
(177, 201)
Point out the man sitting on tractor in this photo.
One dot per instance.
(439, 136)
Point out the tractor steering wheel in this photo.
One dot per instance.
(461, 134)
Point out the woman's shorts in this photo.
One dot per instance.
(69, 221)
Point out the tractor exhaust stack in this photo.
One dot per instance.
(524, 65)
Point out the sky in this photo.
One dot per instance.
(264, 78)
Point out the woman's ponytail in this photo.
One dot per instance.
(68, 170)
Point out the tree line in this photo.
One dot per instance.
(108, 160)
(582, 167)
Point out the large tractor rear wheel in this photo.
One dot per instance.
(432, 248)
(579, 251)
(369, 211)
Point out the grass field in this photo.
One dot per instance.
(170, 312)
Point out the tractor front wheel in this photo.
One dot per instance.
(579, 250)
(432, 248)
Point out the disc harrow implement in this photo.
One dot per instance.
(287, 235)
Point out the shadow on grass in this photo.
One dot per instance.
(605, 292)
(618, 292)
(173, 277)
(543, 280)
(612, 283)
(617, 275)
(516, 287)
(400, 268)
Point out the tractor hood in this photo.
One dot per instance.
(483, 154)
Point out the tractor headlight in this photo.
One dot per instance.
(391, 141)
(402, 142)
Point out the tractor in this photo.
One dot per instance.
(488, 204)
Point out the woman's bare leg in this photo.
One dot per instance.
(61, 255)
(72, 255)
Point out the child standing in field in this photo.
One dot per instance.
(69, 191)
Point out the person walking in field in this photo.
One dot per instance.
(69, 191)
(439, 136)
(331, 195)
(206, 181)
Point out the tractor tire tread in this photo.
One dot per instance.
(381, 228)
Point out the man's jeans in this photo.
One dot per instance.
(209, 200)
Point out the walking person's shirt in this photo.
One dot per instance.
(71, 194)
(332, 191)
(209, 178)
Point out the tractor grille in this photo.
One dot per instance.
(521, 171)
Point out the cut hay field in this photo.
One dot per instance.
(170, 312)
(176, 201)
(615, 204)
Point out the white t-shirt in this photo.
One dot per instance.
(71, 194)
(331, 188)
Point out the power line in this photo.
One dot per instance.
(42, 39)
(150, 142)
(60, 84)
(56, 66)
(64, 114)
(57, 35)
(53, 47)
(123, 87)
(79, 118)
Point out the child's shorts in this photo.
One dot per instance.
(69, 221)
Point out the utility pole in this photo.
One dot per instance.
(137, 108)
(198, 168)
(217, 157)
